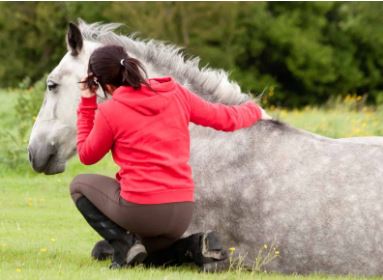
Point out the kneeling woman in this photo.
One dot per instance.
(149, 205)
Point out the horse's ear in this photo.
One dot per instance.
(74, 39)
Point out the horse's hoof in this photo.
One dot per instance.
(214, 256)
(212, 248)
(102, 250)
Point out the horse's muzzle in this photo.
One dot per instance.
(42, 157)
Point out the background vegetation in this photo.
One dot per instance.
(304, 52)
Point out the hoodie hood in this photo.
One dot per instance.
(145, 100)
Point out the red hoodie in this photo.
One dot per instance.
(148, 134)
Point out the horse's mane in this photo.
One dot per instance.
(213, 85)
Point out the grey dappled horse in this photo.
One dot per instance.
(318, 200)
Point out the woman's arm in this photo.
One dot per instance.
(220, 116)
(94, 135)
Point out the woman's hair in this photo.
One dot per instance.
(112, 65)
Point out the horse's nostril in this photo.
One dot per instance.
(53, 148)
(41, 157)
(29, 155)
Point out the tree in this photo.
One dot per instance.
(303, 52)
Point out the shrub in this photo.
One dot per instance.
(14, 141)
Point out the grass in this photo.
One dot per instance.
(334, 123)
(7, 103)
(42, 236)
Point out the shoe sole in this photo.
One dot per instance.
(136, 254)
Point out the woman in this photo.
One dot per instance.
(145, 124)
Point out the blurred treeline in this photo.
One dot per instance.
(300, 53)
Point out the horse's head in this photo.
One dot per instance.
(53, 138)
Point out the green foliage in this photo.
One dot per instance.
(305, 52)
(310, 51)
(14, 138)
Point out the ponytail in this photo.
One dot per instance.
(112, 65)
(132, 73)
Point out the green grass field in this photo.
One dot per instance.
(42, 236)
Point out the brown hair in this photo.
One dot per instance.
(112, 65)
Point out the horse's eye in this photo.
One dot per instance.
(51, 85)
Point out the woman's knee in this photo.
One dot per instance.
(76, 186)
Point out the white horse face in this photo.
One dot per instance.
(53, 138)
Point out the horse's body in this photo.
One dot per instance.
(318, 200)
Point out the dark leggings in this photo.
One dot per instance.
(159, 225)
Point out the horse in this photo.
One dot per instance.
(311, 202)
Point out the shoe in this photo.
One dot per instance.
(119, 240)
(102, 250)
(136, 254)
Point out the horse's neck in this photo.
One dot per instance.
(212, 85)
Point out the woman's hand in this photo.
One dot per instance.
(86, 91)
